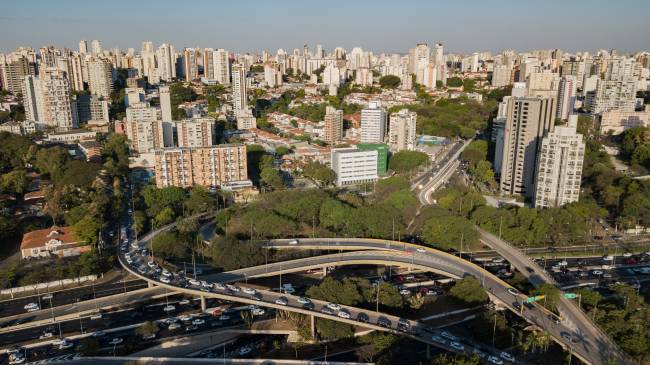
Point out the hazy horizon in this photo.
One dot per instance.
(379, 26)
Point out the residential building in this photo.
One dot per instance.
(165, 55)
(71, 136)
(165, 103)
(145, 130)
(373, 124)
(354, 166)
(617, 121)
(49, 242)
(13, 73)
(47, 99)
(559, 167)
(133, 95)
(239, 87)
(246, 119)
(333, 130)
(401, 134)
(501, 76)
(566, 96)
(190, 64)
(92, 108)
(611, 95)
(528, 119)
(100, 77)
(221, 66)
(421, 52)
(205, 166)
(196, 132)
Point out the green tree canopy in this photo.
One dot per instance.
(389, 81)
(469, 290)
(407, 161)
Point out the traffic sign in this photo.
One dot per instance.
(534, 299)
(570, 295)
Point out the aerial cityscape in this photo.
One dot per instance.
(181, 188)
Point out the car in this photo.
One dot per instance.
(457, 346)
(513, 291)
(129, 260)
(166, 273)
(116, 341)
(150, 336)
(420, 250)
(164, 279)
(627, 254)
(257, 311)
(191, 328)
(498, 260)
(142, 270)
(327, 310)
(169, 308)
(99, 334)
(17, 359)
(174, 326)
(282, 301)
(233, 288)
(507, 356)
(224, 317)
(448, 336)
(198, 321)
(184, 302)
(65, 344)
(249, 291)
(46, 335)
(152, 264)
(344, 314)
(293, 242)
(383, 322)
(362, 317)
(333, 306)
(495, 360)
(170, 320)
(596, 272)
(303, 300)
(244, 350)
(219, 286)
(96, 316)
(32, 307)
(438, 339)
(554, 318)
(194, 282)
(583, 274)
(206, 285)
(405, 292)
(516, 305)
(257, 296)
(47, 296)
(607, 275)
(563, 263)
(608, 258)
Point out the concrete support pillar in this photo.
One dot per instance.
(150, 284)
(203, 304)
(313, 327)
(428, 351)
(324, 271)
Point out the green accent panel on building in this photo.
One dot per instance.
(382, 155)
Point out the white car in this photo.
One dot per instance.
(421, 250)
(244, 350)
(166, 273)
(31, 307)
(596, 272)
(495, 360)
(219, 286)
(96, 316)
(198, 321)
(116, 341)
(513, 291)
(293, 242)
(344, 314)
(249, 291)
(333, 306)
(205, 284)
(129, 260)
(149, 337)
(405, 292)
(17, 359)
(174, 326)
(164, 279)
(184, 302)
(304, 300)
(507, 357)
(438, 339)
(47, 296)
(282, 301)
(608, 258)
(448, 336)
(46, 335)
(563, 263)
(627, 254)
(257, 311)
(232, 288)
(194, 282)
(151, 264)
(457, 346)
(65, 344)
(169, 308)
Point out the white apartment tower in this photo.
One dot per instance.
(239, 88)
(100, 77)
(166, 58)
(559, 167)
(47, 99)
(401, 134)
(566, 95)
(221, 66)
(373, 124)
(333, 130)
(196, 132)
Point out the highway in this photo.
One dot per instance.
(430, 182)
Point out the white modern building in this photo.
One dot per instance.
(239, 88)
(401, 134)
(165, 103)
(353, 166)
(100, 77)
(559, 167)
(373, 124)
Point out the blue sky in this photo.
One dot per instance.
(377, 25)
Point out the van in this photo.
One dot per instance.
(293, 242)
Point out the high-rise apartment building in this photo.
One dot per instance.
(566, 95)
(96, 47)
(438, 54)
(196, 132)
(501, 76)
(190, 64)
(559, 167)
(165, 103)
(246, 119)
(420, 53)
(333, 130)
(205, 166)
(92, 107)
(239, 88)
(373, 124)
(221, 66)
(165, 55)
(100, 77)
(83, 46)
(401, 134)
(145, 130)
(528, 119)
(611, 95)
(47, 99)
(14, 72)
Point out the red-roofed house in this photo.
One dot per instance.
(54, 241)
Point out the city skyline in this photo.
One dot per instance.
(377, 27)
